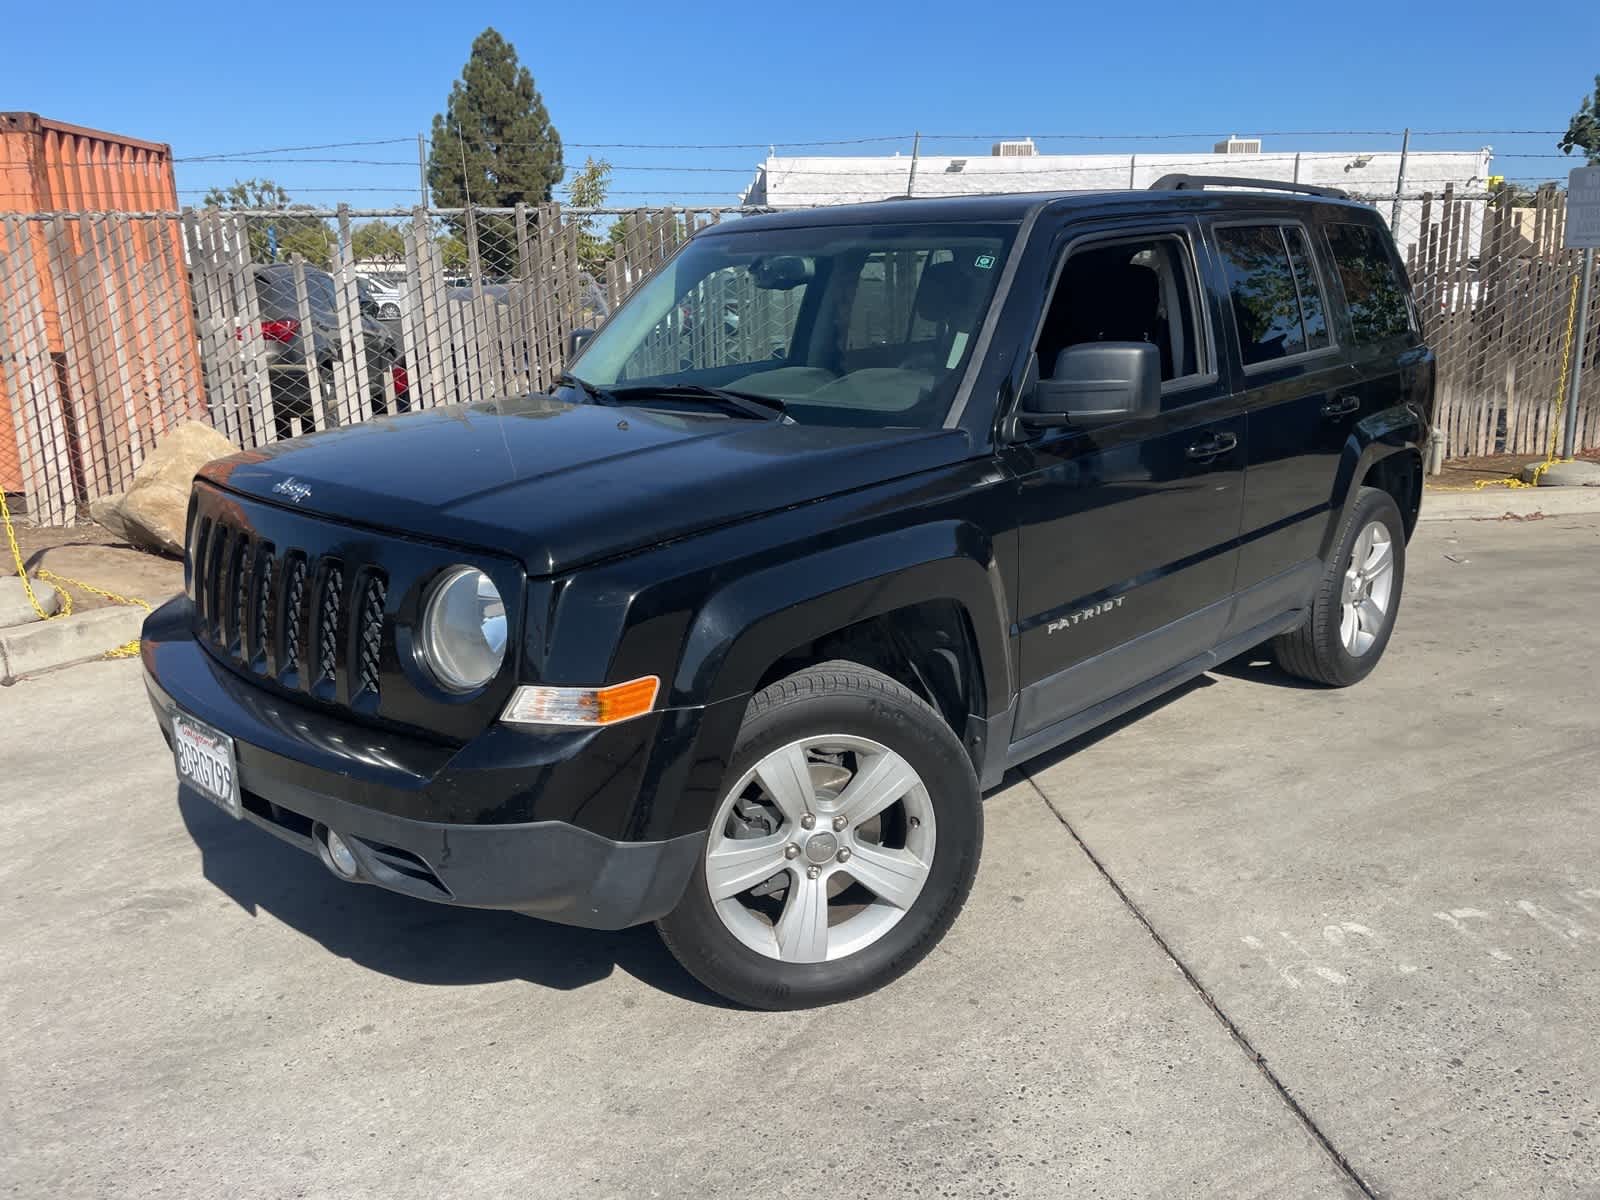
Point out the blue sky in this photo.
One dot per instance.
(246, 77)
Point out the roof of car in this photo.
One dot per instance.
(1011, 206)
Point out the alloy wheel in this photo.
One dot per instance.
(820, 848)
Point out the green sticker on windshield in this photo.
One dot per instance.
(985, 261)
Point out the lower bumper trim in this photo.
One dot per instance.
(547, 869)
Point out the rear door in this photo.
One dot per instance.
(1377, 321)
(1127, 532)
(1301, 399)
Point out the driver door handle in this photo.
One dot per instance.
(1341, 406)
(1211, 447)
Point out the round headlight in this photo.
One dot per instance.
(463, 633)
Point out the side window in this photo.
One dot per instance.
(1313, 313)
(1261, 288)
(1139, 290)
(1372, 290)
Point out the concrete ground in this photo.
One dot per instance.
(1258, 940)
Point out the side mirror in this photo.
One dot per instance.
(1097, 383)
(576, 341)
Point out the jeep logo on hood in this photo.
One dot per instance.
(292, 488)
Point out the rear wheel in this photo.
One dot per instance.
(841, 851)
(1353, 611)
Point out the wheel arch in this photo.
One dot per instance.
(1385, 451)
(923, 605)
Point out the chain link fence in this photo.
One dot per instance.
(1498, 297)
(268, 324)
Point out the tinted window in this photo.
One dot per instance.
(1133, 291)
(1372, 290)
(1313, 313)
(1266, 303)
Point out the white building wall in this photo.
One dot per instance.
(804, 182)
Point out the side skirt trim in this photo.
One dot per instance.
(1081, 722)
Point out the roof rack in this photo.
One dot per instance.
(1182, 183)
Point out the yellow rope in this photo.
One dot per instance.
(126, 650)
(1550, 458)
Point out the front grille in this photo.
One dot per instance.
(294, 612)
(371, 624)
(255, 602)
(319, 612)
(330, 624)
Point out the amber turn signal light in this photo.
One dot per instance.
(536, 705)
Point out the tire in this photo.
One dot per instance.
(1323, 649)
(851, 724)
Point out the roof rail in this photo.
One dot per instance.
(1183, 183)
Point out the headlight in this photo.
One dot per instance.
(463, 633)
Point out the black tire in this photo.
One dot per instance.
(1316, 650)
(841, 698)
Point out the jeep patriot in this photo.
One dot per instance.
(841, 514)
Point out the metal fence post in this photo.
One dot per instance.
(1400, 180)
(1575, 377)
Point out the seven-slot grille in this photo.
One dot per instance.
(312, 623)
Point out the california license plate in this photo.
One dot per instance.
(205, 762)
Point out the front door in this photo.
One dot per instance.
(1127, 532)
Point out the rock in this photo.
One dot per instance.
(1579, 473)
(152, 511)
(106, 512)
(14, 606)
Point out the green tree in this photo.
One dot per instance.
(247, 193)
(494, 143)
(275, 238)
(588, 190)
(377, 240)
(1583, 131)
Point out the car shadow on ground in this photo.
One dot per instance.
(415, 940)
(1256, 666)
(1253, 666)
(1049, 758)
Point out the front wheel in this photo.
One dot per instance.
(1352, 613)
(842, 850)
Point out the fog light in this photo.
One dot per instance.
(342, 857)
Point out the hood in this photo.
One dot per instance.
(561, 484)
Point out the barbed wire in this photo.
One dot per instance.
(231, 155)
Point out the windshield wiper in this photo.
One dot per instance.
(597, 395)
(765, 408)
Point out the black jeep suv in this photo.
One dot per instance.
(844, 512)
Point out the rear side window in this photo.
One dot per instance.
(1372, 290)
(1278, 306)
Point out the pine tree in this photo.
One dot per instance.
(495, 127)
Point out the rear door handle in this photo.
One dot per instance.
(1211, 447)
(1341, 406)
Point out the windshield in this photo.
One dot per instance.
(866, 325)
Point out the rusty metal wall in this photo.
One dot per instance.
(49, 166)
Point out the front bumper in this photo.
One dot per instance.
(302, 772)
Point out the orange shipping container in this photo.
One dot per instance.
(110, 303)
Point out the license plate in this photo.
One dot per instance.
(205, 762)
